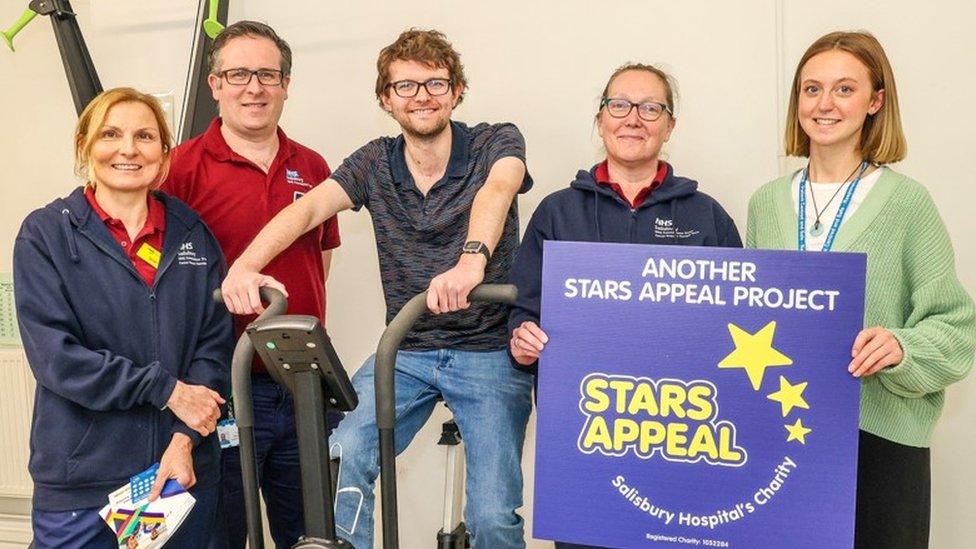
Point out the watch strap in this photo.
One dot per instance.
(476, 247)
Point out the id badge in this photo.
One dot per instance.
(227, 433)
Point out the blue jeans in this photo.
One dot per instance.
(491, 402)
(85, 529)
(276, 449)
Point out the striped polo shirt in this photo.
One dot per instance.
(419, 237)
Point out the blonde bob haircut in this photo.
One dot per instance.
(882, 138)
(93, 118)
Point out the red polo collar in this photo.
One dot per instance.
(602, 175)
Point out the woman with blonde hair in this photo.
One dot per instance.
(843, 116)
(130, 353)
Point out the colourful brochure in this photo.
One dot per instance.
(139, 524)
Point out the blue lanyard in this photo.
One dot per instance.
(801, 236)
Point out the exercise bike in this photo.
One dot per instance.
(299, 356)
(453, 534)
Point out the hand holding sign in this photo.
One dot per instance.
(874, 349)
(528, 341)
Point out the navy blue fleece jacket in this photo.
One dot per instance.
(107, 350)
(675, 213)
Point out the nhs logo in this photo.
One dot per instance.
(293, 177)
(188, 256)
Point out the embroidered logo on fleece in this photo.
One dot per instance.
(188, 256)
(664, 228)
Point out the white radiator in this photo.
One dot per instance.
(15, 531)
(16, 405)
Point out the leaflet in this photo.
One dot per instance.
(139, 523)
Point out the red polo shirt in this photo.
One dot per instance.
(236, 199)
(146, 249)
(603, 178)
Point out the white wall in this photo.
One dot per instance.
(541, 65)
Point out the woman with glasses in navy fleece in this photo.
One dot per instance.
(130, 353)
(618, 200)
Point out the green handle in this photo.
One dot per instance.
(210, 25)
(8, 35)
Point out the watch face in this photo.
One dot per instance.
(473, 247)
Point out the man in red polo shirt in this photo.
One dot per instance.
(238, 174)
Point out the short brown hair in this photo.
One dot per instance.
(429, 47)
(667, 79)
(882, 138)
(252, 29)
(93, 118)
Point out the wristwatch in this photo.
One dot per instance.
(475, 247)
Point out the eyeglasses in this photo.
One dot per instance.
(649, 110)
(242, 77)
(410, 88)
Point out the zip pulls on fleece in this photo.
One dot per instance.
(69, 234)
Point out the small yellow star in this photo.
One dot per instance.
(754, 353)
(789, 396)
(797, 432)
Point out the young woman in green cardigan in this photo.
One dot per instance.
(843, 116)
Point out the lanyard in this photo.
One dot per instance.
(801, 235)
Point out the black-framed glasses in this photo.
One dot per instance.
(410, 88)
(648, 110)
(242, 77)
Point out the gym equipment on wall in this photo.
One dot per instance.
(78, 67)
(199, 108)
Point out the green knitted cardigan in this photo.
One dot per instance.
(912, 290)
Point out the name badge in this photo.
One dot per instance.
(149, 254)
(227, 433)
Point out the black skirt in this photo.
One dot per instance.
(893, 495)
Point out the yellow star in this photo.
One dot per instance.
(754, 353)
(789, 396)
(797, 432)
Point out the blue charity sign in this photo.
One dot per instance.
(697, 397)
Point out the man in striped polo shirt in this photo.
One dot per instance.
(441, 196)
